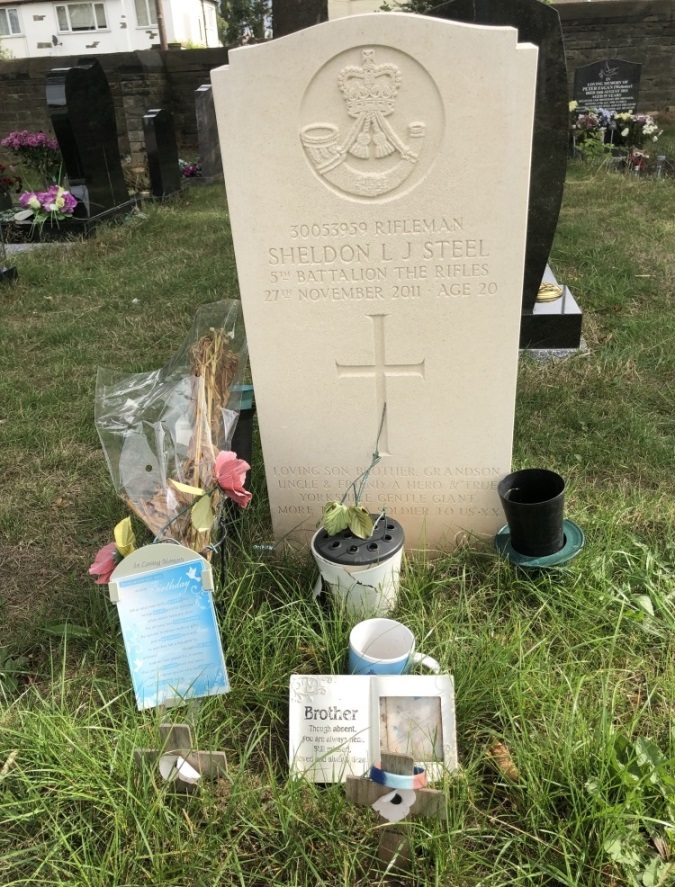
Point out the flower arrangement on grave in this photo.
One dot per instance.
(230, 476)
(51, 205)
(8, 181)
(596, 131)
(635, 129)
(38, 152)
(190, 170)
(166, 434)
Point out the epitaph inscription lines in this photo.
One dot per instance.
(380, 370)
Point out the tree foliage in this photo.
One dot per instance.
(246, 20)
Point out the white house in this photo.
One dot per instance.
(30, 28)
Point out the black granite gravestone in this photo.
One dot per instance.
(608, 83)
(82, 113)
(539, 24)
(160, 146)
(207, 135)
(289, 16)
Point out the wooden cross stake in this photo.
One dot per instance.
(395, 851)
(176, 739)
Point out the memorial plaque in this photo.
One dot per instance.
(609, 83)
(380, 260)
(82, 113)
(340, 724)
(165, 605)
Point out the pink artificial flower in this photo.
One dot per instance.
(231, 476)
(104, 563)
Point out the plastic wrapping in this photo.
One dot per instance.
(170, 424)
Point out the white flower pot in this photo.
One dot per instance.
(370, 586)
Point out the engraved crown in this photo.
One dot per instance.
(370, 87)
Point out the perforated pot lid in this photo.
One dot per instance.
(347, 549)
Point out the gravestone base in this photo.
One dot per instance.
(189, 181)
(555, 324)
(27, 232)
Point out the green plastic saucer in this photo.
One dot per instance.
(574, 542)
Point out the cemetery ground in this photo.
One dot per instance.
(558, 668)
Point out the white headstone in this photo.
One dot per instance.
(377, 172)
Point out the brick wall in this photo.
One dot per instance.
(138, 81)
(634, 30)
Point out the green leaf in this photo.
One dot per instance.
(644, 602)
(202, 515)
(621, 852)
(67, 629)
(656, 873)
(335, 517)
(625, 760)
(360, 521)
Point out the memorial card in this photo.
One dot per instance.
(164, 601)
(340, 724)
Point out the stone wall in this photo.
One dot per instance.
(138, 81)
(634, 30)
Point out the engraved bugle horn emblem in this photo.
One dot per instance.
(370, 93)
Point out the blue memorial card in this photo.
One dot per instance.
(170, 633)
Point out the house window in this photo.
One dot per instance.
(81, 17)
(9, 22)
(146, 13)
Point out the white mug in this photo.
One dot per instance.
(384, 646)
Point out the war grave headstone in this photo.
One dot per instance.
(613, 84)
(162, 152)
(82, 113)
(555, 324)
(385, 264)
(207, 135)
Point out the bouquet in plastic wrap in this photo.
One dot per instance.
(166, 434)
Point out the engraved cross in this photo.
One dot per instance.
(380, 370)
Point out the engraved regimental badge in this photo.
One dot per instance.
(373, 158)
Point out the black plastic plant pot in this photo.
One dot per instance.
(8, 274)
(533, 501)
(348, 550)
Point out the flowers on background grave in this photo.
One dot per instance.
(166, 433)
(42, 206)
(596, 131)
(37, 151)
(635, 129)
(190, 170)
(8, 181)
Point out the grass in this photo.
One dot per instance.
(553, 666)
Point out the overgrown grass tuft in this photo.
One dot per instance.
(553, 666)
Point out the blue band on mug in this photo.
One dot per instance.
(396, 780)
